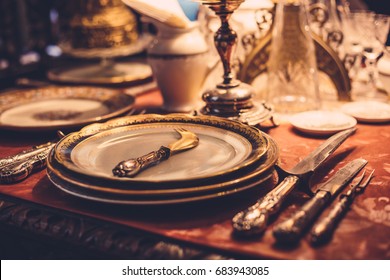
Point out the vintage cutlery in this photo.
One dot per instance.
(17, 167)
(291, 229)
(323, 230)
(254, 219)
(131, 167)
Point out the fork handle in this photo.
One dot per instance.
(323, 230)
(131, 167)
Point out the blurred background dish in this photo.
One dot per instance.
(322, 122)
(368, 111)
(102, 30)
(99, 74)
(60, 107)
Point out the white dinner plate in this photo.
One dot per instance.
(322, 122)
(368, 111)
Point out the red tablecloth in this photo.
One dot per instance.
(364, 233)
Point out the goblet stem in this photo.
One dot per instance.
(225, 40)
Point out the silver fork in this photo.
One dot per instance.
(323, 230)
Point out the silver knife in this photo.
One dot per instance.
(322, 231)
(254, 220)
(291, 229)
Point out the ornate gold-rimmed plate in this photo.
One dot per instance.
(74, 190)
(88, 185)
(225, 147)
(60, 107)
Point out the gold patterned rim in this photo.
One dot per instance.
(226, 182)
(258, 143)
(115, 102)
(121, 200)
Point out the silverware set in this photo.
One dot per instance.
(254, 220)
(291, 230)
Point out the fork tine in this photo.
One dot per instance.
(365, 183)
(356, 182)
(179, 130)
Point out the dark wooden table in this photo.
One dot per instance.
(39, 221)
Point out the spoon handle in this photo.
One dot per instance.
(133, 166)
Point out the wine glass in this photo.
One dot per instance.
(352, 47)
(373, 29)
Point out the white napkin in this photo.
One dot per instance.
(168, 12)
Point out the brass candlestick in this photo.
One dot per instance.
(231, 98)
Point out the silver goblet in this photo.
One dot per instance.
(231, 98)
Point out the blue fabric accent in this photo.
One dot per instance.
(190, 9)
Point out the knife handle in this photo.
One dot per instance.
(18, 167)
(131, 167)
(291, 229)
(254, 219)
(323, 230)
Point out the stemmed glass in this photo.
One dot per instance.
(352, 43)
(373, 29)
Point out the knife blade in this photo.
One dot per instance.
(131, 167)
(254, 219)
(290, 230)
(322, 231)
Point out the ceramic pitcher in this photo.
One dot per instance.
(180, 62)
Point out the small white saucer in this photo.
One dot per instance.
(368, 111)
(322, 122)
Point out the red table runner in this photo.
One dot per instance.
(364, 233)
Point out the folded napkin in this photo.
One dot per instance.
(168, 12)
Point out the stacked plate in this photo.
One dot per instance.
(231, 157)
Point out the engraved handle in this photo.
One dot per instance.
(254, 219)
(323, 230)
(18, 167)
(291, 230)
(131, 167)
